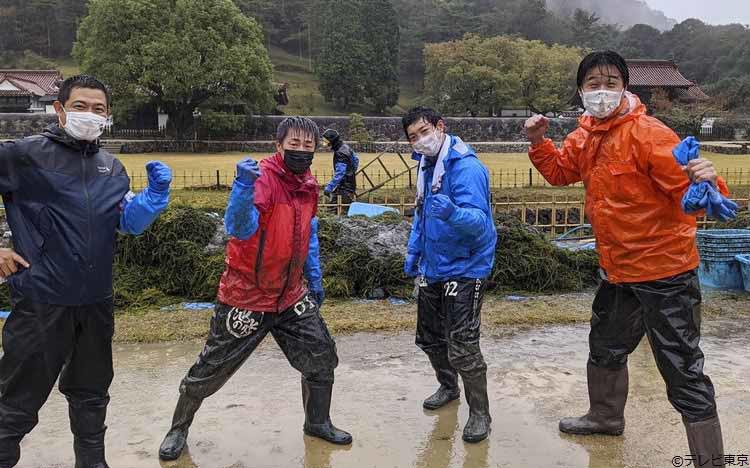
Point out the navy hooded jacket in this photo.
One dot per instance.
(64, 200)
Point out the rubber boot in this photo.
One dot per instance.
(705, 442)
(316, 399)
(174, 442)
(448, 379)
(478, 426)
(10, 451)
(88, 428)
(608, 392)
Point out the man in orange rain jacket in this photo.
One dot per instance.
(647, 251)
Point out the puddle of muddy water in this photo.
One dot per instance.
(535, 377)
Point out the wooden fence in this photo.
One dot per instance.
(554, 216)
(504, 179)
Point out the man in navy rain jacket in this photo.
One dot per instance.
(345, 164)
(452, 250)
(65, 200)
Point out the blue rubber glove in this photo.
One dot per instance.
(159, 176)
(318, 294)
(312, 269)
(248, 171)
(718, 207)
(411, 265)
(687, 150)
(442, 206)
(703, 195)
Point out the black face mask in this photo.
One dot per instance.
(298, 161)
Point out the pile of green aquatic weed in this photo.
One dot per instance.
(525, 260)
(169, 260)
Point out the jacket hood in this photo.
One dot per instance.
(56, 133)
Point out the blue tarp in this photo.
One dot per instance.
(197, 305)
(4, 314)
(516, 298)
(189, 306)
(369, 210)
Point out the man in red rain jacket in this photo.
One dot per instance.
(274, 248)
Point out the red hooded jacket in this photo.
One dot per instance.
(265, 272)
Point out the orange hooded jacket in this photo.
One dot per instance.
(634, 189)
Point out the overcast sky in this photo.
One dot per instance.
(710, 11)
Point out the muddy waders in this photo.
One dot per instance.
(42, 342)
(303, 337)
(668, 312)
(448, 329)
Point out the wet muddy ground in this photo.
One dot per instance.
(536, 376)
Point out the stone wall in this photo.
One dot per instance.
(487, 135)
(734, 149)
(22, 125)
(380, 128)
(391, 129)
(168, 146)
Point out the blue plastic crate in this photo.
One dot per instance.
(744, 261)
(719, 248)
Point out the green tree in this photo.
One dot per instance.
(28, 60)
(284, 22)
(358, 60)
(548, 76)
(732, 93)
(177, 54)
(473, 75)
(343, 51)
(640, 41)
(382, 68)
(482, 75)
(422, 22)
(587, 32)
(44, 27)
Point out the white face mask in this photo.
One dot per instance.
(429, 145)
(85, 126)
(601, 104)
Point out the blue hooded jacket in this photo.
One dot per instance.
(462, 247)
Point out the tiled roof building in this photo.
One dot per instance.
(646, 76)
(28, 90)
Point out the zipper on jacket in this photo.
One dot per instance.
(259, 258)
(88, 266)
(88, 208)
(297, 215)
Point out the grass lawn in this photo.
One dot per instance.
(200, 169)
(304, 94)
(352, 316)
(323, 163)
(68, 67)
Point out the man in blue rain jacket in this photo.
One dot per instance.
(65, 200)
(452, 250)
